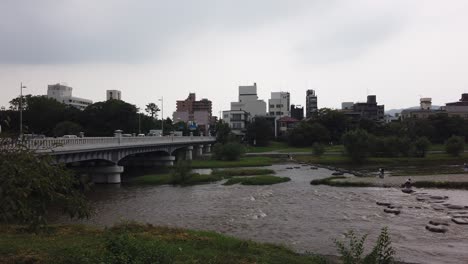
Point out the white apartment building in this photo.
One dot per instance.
(279, 104)
(63, 94)
(246, 108)
(113, 95)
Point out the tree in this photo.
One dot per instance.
(318, 149)
(421, 145)
(32, 184)
(357, 145)
(307, 133)
(67, 128)
(152, 109)
(229, 151)
(259, 132)
(222, 132)
(454, 146)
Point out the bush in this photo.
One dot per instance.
(382, 253)
(318, 149)
(229, 151)
(357, 145)
(31, 184)
(455, 146)
(181, 172)
(421, 145)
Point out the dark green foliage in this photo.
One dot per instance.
(181, 172)
(259, 132)
(331, 182)
(421, 146)
(67, 128)
(241, 172)
(30, 185)
(455, 146)
(357, 145)
(352, 253)
(152, 109)
(318, 149)
(229, 151)
(306, 133)
(222, 132)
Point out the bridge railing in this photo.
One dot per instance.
(51, 143)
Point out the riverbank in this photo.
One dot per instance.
(137, 243)
(447, 181)
(242, 162)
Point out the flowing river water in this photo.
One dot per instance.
(301, 216)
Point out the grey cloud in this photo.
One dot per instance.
(121, 31)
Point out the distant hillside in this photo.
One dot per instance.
(392, 112)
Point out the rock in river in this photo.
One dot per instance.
(460, 221)
(437, 222)
(383, 203)
(392, 211)
(436, 228)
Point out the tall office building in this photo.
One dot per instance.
(297, 112)
(311, 103)
(278, 105)
(191, 110)
(63, 94)
(113, 95)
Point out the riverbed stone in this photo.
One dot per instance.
(337, 173)
(437, 222)
(455, 207)
(395, 206)
(392, 211)
(460, 221)
(383, 203)
(438, 207)
(438, 197)
(436, 228)
(313, 168)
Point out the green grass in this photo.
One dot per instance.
(283, 147)
(241, 172)
(135, 243)
(243, 162)
(257, 180)
(161, 179)
(331, 182)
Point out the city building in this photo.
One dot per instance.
(279, 103)
(249, 102)
(459, 108)
(424, 111)
(297, 112)
(311, 103)
(285, 124)
(63, 94)
(195, 112)
(368, 110)
(237, 120)
(245, 109)
(113, 95)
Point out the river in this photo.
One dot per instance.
(301, 216)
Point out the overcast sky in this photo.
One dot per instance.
(397, 49)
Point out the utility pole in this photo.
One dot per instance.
(162, 114)
(21, 109)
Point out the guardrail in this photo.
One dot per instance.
(51, 143)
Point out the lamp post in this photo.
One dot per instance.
(21, 109)
(162, 114)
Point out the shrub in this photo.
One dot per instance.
(357, 145)
(421, 145)
(318, 149)
(454, 146)
(229, 151)
(382, 253)
(31, 184)
(181, 172)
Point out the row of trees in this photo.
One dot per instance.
(42, 115)
(330, 126)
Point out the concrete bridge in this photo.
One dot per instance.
(104, 158)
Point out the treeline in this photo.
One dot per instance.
(42, 115)
(329, 126)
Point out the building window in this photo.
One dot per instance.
(279, 105)
(272, 113)
(272, 106)
(278, 113)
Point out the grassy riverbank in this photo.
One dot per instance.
(257, 180)
(242, 162)
(216, 175)
(427, 181)
(436, 163)
(135, 243)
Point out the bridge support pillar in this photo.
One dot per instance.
(207, 148)
(188, 153)
(199, 151)
(106, 174)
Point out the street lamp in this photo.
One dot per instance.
(162, 114)
(21, 109)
